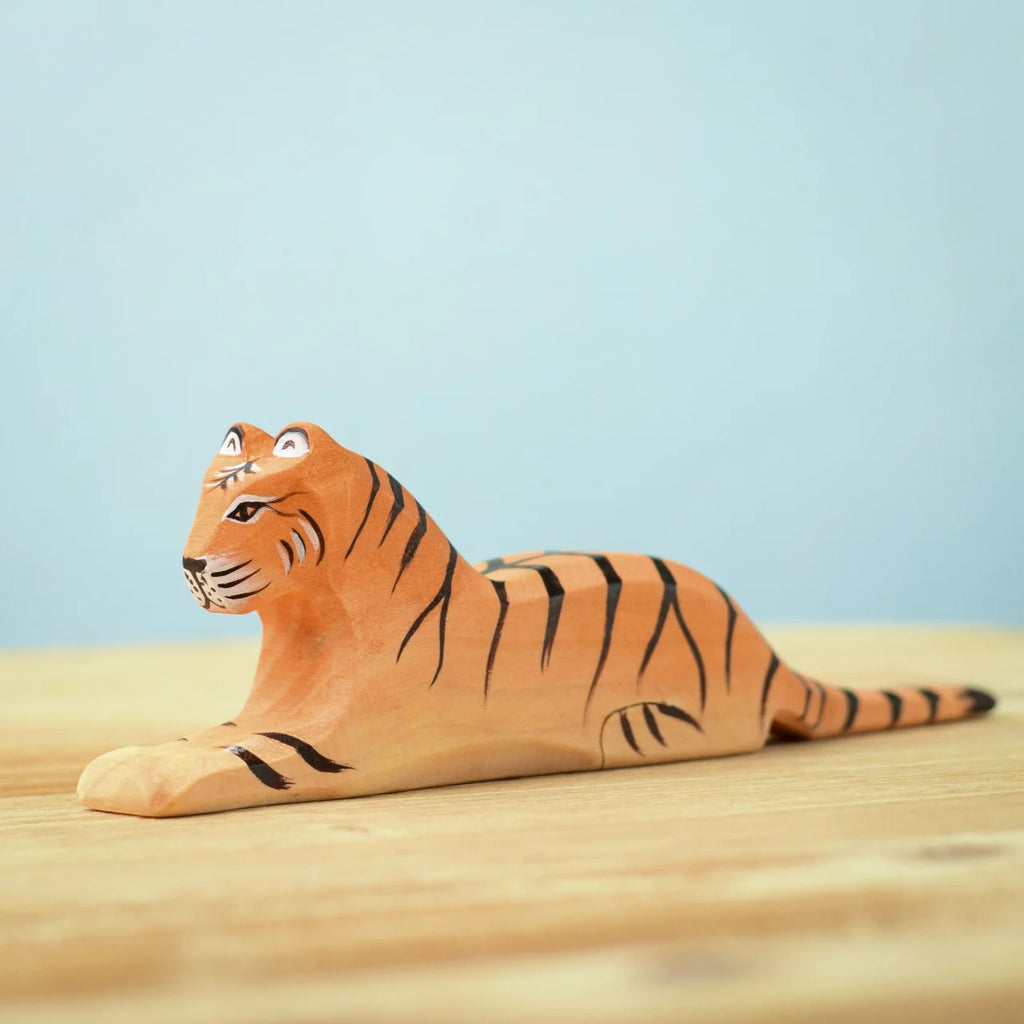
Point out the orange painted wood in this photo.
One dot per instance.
(390, 663)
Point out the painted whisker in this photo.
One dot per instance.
(234, 568)
(241, 579)
(251, 593)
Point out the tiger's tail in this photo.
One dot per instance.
(813, 710)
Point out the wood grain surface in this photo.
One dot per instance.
(877, 877)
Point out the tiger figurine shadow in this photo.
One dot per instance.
(388, 662)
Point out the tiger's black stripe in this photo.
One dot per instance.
(267, 775)
(501, 591)
(396, 507)
(627, 731)
(288, 551)
(614, 582)
(852, 704)
(668, 585)
(695, 650)
(670, 600)
(443, 620)
(442, 598)
(655, 636)
(374, 487)
(673, 712)
(307, 752)
(652, 725)
(413, 543)
(319, 534)
(729, 630)
(821, 706)
(556, 592)
(933, 703)
(773, 666)
(895, 705)
(807, 694)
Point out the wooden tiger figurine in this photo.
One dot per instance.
(388, 662)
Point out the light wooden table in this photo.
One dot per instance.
(866, 878)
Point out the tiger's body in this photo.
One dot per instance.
(388, 662)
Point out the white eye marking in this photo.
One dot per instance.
(292, 444)
(232, 443)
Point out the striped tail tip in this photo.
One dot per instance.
(981, 701)
(817, 710)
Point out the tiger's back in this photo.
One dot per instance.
(639, 650)
(661, 664)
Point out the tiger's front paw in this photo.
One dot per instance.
(165, 780)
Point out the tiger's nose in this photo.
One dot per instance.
(194, 564)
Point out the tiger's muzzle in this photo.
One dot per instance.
(223, 584)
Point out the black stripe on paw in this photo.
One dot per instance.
(267, 775)
(307, 752)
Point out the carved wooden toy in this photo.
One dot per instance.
(388, 662)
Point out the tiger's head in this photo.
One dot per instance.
(261, 527)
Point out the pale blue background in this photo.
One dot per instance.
(735, 283)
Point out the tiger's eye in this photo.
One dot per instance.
(244, 512)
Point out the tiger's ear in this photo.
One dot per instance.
(233, 442)
(291, 443)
